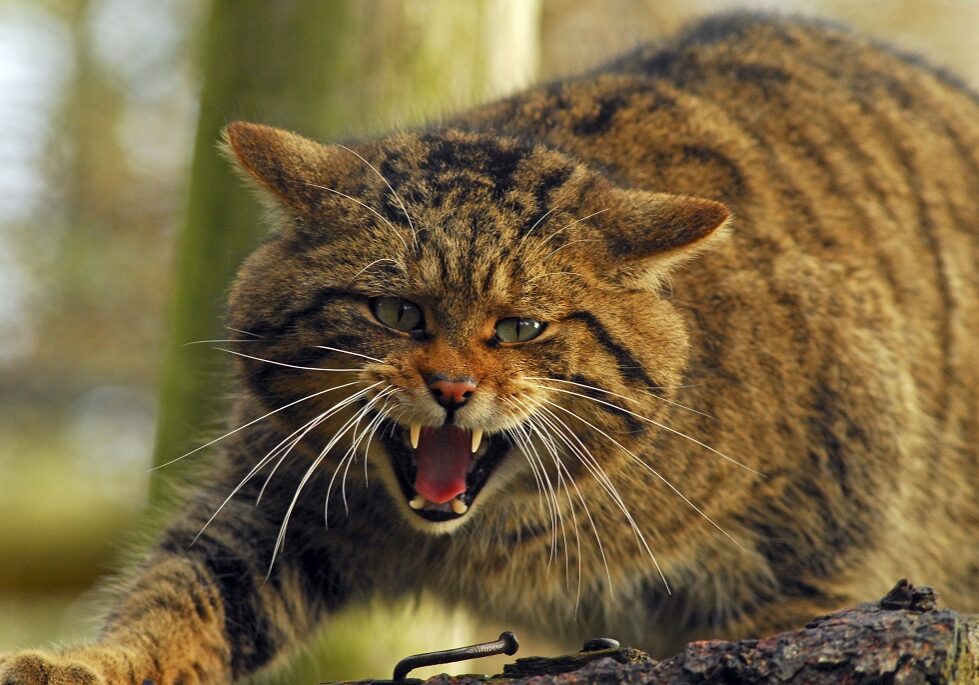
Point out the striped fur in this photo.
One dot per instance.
(827, 340)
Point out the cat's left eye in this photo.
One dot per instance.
(517, 330)
(399, 314)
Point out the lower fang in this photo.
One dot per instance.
(459, 507)
(417, 503)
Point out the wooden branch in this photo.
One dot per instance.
(902, 639)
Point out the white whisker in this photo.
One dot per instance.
(290, 366)
(536, 224)
(605, 486)
(376, 261)
(319, 420)
(381, 176)
(650, 469)
(527, 447)
(258, 466)
(561, 230)
(382, 415)
(227, 340)
(512, 439)
(367, 207)
(280, 539)
(589, 461)
(348, 456)
(355, 354)
(655, 423)
(254, 421)
(562, 470)
(614, 394)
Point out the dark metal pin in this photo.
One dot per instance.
(506, 644)
(599, 643)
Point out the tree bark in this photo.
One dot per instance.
(902, 639)
(261, 61)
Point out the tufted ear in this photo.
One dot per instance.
(288, 168)
(646, 235)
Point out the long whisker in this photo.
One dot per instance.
(290, 366)
(253, 422)
(269, 456)
(319, 420)
(280, 539)
(382, 415)
(355, 354)
(614, 394)
(527, 447)
(368, 432)
(533, 467)
(348, 456)
(561, 230)
(562, 470)
(381, 176)
(376, 261)
(227, 340)
(367, 207)
(605, 486)
(594, 468)
(536, 224)
(655, 423)
(650, 469)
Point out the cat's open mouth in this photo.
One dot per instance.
(442, 470)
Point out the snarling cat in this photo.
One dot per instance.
(684, 347)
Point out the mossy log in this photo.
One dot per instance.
(904, 639)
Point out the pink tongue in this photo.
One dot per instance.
(443, 459)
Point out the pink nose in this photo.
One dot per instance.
(452, 394)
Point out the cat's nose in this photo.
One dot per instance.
(451, 393)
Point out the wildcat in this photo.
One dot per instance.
(684, 347)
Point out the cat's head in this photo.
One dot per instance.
(482, 317)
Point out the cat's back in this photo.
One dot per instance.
(845, 311)
(836, 334)
(743, 101)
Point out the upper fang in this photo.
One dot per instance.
(477, 439)
(415, 433)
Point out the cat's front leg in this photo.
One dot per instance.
(169, 627)
(92, 666)
(196, 612)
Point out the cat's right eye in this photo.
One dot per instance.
(401, 315)
(517, 330)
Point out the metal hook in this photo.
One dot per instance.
(506, 644)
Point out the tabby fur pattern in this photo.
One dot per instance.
(755, 249)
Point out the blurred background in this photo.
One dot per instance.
(120, 225)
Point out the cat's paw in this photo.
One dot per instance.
(37, 668)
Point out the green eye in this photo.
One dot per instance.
(516, 330)
(399, 314)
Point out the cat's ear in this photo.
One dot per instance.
(647, 235)
(290, 169)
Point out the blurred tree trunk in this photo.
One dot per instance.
(327, 70)
(259, 61)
